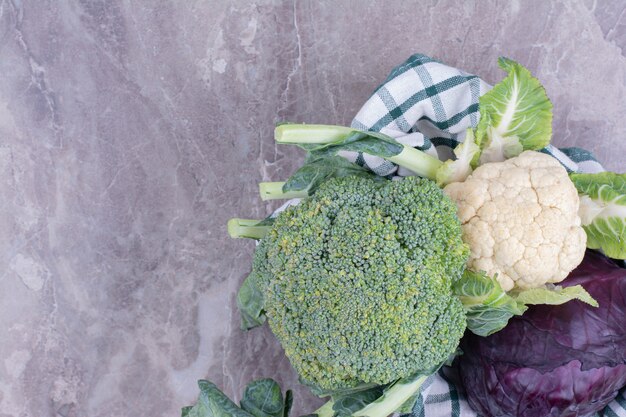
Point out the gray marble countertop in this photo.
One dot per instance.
(130, 131)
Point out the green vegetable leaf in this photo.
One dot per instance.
(408, 405)
(213, 403)
(373, 400)
(459, 169)
(328, 140)
(372, 143)
(251, 303)
(480, 133)
(554, 295)
(396, 395)
(348, 404)
(499, 149)
(263, 398)
(487, 305)
(318, 169)
(516, 115)
(491, 320)
(603, 211)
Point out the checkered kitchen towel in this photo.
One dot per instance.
(429, 106)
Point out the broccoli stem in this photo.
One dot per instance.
(304, 133)
(326, 410)
(417, 161)
(274, 191)
(410, 158)
(393, 398)
(251, 229)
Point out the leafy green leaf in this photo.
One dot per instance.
(396, 395)
(409, 404)
(318, 169)
(499, 149)
(480, 134)
(347, 404)
(460, 168)
(326, 140)
(251, 303)
(491, 320)
(488, 307)
(554, 295)
(213, 403)
(603, 211)
(516, 115)
(263, 398)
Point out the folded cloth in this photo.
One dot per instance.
(429, 105)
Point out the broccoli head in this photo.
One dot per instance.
(356, 281)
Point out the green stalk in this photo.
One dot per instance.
(326, 410)
(392, 399)
(251, 229)
(417, 161)
(410, 158)
(305, 133)
(274, 191)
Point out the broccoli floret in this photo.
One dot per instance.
(356, 281)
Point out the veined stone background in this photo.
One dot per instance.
(132, 130)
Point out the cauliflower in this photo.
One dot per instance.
(520, 219)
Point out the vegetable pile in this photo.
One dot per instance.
(369, 284)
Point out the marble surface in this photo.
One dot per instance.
(130, 131)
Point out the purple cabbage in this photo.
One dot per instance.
(560, 361)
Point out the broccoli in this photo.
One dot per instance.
(363, 275)
(356, 282)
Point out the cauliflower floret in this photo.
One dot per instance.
(520, 219)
